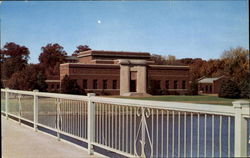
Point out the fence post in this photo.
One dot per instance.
(19, 107)
(58, 111)
(240, 128)
(6, 103)
(91, 123)
(35, 109)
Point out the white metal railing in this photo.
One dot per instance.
(135, 127)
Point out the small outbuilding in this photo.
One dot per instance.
(210, 85)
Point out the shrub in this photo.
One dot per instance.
(70, 86)
(229, 89)
(244, 89)
(193, 88)
(30, 78)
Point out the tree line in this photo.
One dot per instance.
(233, 63)
(17, 73)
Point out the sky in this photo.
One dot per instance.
(185, 29)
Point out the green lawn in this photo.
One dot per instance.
(202, 99)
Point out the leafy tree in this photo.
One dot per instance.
(13, 59)
(244, 86)
(236, 63)
(171, 60)
(193, 88)
(186, 61)
(29, 78)
(229, 89)
(70, 86)
(212, 68)
(41, 85)
(195, 66)
(51, 57)
(158, 59)
(1, 84)
(80, 48)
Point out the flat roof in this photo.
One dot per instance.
(118, 66)
(208, 80)
(169, 67)
(72, 65)
(113, 53)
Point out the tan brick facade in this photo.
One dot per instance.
(122, 73)
(210, 85)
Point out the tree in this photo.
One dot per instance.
(171, 60)
(80, 48)
(51, 57)
(212, 68)
(29, 78)
(229, 89)
(195, 66)
(70, 86)
(13, 59)
(1, 84)
(158, 59)
(193, 88)
(244, 87)
(236, 63)
(41, 85)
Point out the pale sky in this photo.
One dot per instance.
(196, 29)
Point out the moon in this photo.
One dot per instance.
(99, 21)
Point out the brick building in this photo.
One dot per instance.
(210, 85)
(125, 73)
(53, 82)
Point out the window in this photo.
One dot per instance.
(114, 84)
(175, 84)
(210, 88)
(105, 84)
(167, 84)
(52, 86)
(94, 84)
(57, 86)
(183, 84)
(85, 84)
(158, 84)
(206, 88)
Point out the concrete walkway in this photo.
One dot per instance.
(23, 142)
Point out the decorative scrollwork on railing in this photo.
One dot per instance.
(143, 127)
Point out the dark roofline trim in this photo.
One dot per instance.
(103, 66)
(113, 53)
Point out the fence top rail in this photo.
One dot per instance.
(18, 91)
(177, 106)
(50, 95)
(63, 96)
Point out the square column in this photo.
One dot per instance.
(124, 79)
(141, 79)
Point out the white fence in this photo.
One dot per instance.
(135, 127)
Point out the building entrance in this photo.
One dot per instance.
(132, 85)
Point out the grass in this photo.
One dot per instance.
(201, 99)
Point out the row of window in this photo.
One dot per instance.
(207, 89)
(157, 84)
(54, 86)
(95, 84)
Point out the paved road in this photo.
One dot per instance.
(22, 142)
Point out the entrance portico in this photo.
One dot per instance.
(133, 73)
